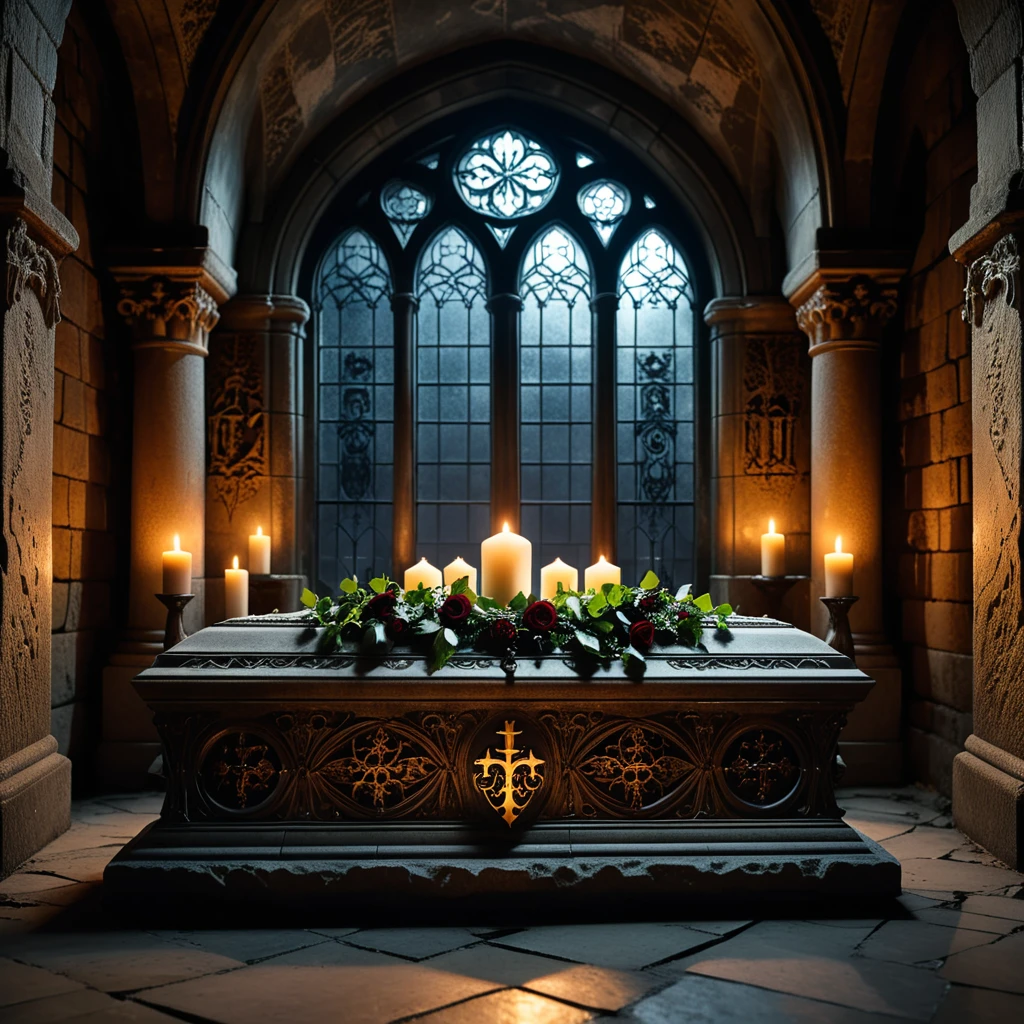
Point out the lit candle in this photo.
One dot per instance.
(838, 572)
(600, 573)
(555, 573)
(456, 570)
(236, 591)
(773, 552)
(259, 553)
(422, 572)
(506, 566)
(177, 570)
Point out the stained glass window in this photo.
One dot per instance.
(506, 175)
(355, 412)
(501, 234)
(555, 399)
(583, 160)
(604, 203)
(453, 400)
(655, 413)
(405, 206)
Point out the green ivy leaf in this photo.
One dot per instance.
(704, 603)
(591, 643)
(441, 649)
(723, 610)
(604, 625)
(308, 598)
(616, 595)
(487, 603)
(519, 602)
(597, 604)
(650, 581)
(461, 585)
(349, 586)
(323, 606)
(379, 584)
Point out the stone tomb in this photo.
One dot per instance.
(297, 777)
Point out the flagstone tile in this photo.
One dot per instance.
(878, 827)
(955, 876)
(116, 961)
(141, 803)
(509, 1007)
(51, 1009)
(717, 927)
(950, 918)
(499, 965)
(627, 946)
(979, 1006)
(332, 933)
(330, 981)
(995, 906)
(808, 960)
(415, 943)
(245, 945)
(999, 965)
(698, 1000)
(913, 902)
(21, 982)
(916, 942)
(926, 842)
(22, 882)
(602, 988)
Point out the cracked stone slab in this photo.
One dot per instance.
(979, 1006)
(948, 917)
(995, 906)
(414, 943)
(509, 1007)
(998, 965)
(245, 945)
(956, 876)
(21, 983)
(601, 988)
(916, 942)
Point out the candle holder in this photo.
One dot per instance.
(839, 636)
(174, 631)
(775, 589)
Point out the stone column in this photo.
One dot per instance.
(254, 442)
(760, 448)
(35, 781)
(843, 312)
(170, 302)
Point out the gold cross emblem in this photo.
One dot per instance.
(508, 782)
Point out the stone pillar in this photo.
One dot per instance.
(843, 312)
(35, 781)
(760, 448)
(169, 300)
(254, 439)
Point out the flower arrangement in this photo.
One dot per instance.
(614, 622)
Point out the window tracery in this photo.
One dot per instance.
(506, 175)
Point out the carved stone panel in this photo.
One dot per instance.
(774, 378)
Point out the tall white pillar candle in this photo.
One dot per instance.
(236, 591)
(506, 566)
(600, 573)
(422, 572)
(773, 552)
(555, 573)
(259, 553)
(177, 566)
(838, 572)
(456, 570)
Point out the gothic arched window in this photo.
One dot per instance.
(355, 378)
(504, 333)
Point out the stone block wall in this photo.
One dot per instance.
(935, 573)
(89, 424)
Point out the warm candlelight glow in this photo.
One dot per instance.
(505, 529)
(838, 571)
(600, 573)
(506, 566)
(558, 573)
(422, 572)
(839, 544)
(177, 570)
(234, 563)
(773, 552)
(259, 531)
(236, 591)
(177, 543)
(458, 569)
(259, 553)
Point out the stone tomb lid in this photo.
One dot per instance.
(289, 647)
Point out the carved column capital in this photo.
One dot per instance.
(851, 308)
(167, 313)
(32, 265)
(994, 272)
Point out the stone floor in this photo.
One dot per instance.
(951, 949)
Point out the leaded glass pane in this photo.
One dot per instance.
(655, 410)
(355, 369)
(501, 235)
(506, 175)
(555, 400)
(405, 206)
(453, 400)
(604, 203)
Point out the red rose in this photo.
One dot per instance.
(504, 632)
(541, 616)
(455, 610)
(641, 634)
(648, 603)
(683, 614)
(381, 607)
(396, 628)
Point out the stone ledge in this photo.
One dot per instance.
(988, 805)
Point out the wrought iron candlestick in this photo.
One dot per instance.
(839, 636)
(775, 589)
(174, 631)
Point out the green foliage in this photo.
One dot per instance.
(519, 602)
(650, 581)
(348, 586)
(308, 597)
(379, 584)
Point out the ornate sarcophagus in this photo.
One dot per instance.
(296, 775)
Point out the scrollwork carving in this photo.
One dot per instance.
(859, 306)
(32, 265)
(158, 308)
(996, 270)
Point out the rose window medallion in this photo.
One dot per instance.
(506, 175)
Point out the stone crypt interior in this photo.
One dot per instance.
(372, 278)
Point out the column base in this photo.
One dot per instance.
(35, 801)
(988, 799)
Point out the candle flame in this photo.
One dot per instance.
(177, 543)
(771, 525)
(601, 560)
(234, 563)
(259, 531)
(505, 529)
(839, 545)
(423, 559)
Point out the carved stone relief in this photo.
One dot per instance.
(159, 309)
(34, 266)
(236, 424)
(859, 306)
(193, 21)
(773, 381)
(996, 270)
